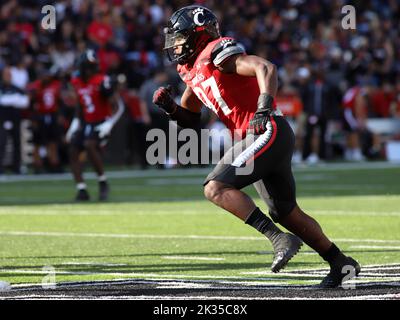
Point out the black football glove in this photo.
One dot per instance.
(162, 97)
(258, 124)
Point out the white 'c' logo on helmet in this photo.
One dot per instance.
(196, 15)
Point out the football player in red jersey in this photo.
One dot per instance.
(241, 89)
(99, 109)
(45, 94)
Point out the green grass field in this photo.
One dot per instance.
(157, 225)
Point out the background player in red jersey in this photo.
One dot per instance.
(240, 89)
(45, 94)
(354, 118)
(99, 109)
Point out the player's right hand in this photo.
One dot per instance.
(162, 97)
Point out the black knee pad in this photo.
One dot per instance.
(280, 209)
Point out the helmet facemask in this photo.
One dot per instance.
(177, 46)
(186, 35)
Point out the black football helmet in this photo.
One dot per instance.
(88, 63)
(191, 27)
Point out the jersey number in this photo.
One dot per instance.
(200, 93)
(48, 99)
(88, 103)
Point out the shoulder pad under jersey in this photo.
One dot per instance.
(224, 49)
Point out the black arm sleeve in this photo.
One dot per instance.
(186, 118)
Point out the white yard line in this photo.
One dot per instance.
(123, 174)
(118, 235)
(72, 263)
(270, 276)
(364, 297)
(192, 258)
(370, 267)
(383, 268)
(353, 213)
(152, 173)
(129, 274)
(77, 212)
(366, 240)
(158, 236)
(375, 247)
(61, 212)
(316, 274)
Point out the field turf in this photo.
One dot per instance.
(157, 230)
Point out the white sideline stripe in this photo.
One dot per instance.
(158, 236)
(370, 277)
(193, 172)
(183, 285)
(374, 247)
(160, 281)
(379, 275)
(192, 258)
(286, 274)
(239, 281)
(381, 268)
(250, 284)
(389, 266)
(129, 274)
(317, 275)
(386, 265)
(193, 297)
(365, 297)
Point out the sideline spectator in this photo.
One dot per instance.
(12, 100)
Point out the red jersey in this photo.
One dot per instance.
(46, 96)
(231, 96)
(96, 107)
(349, 98)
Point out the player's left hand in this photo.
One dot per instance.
(104, 129)
(258, 124)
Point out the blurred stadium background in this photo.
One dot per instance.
(304, 39)
(359, 69)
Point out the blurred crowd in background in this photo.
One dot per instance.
(324, 70)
